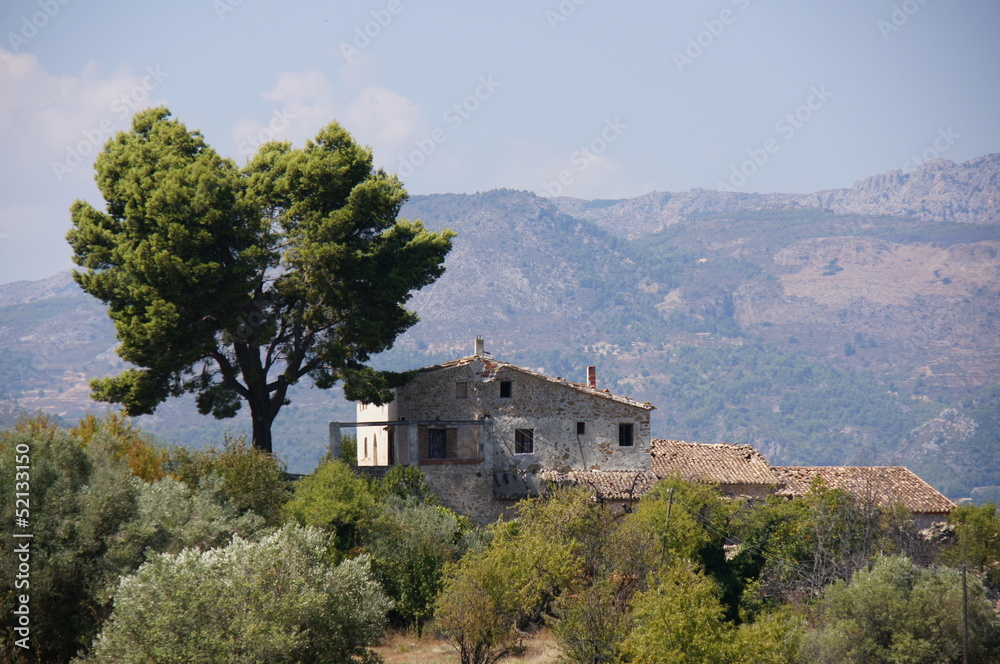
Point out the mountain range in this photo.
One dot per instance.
(848, 326)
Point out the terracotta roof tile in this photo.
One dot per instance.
(713, 463)
(607, 484)
(886, 484)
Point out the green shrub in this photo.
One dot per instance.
(896, 613)
(276, 600)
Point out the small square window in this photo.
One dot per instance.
(506, 389)
(581, 428)
(625, 438)
(524, 441)
(461, 390)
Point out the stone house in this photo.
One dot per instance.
(483, 431)
(488, 433)
(883, 485)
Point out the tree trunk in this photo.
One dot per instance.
(262, 419)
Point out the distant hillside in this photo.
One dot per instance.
(850, 326)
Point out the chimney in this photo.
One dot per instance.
(480, 350)
(592, 377)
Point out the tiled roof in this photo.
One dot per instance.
(491, 367)
(886, 484)
(713, 463)
(608, 484)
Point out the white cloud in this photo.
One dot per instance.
(46, 118)
(387, 121)
(305, 102)
(51, 130)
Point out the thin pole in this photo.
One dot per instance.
(965, 606)
(666, 523)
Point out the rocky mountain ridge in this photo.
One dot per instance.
(820, 336)
(936, 190)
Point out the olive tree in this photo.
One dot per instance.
(276, 600)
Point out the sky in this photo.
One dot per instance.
(583, 98)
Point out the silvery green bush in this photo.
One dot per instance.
(275, 600)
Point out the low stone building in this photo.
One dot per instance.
(883, 485)
(483, 431)
(738, 470)
(488, 433)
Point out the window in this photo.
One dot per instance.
(524, 441)
(625, 435)
(461, 390)
(581, 428)
(506, 389)
(437, 444)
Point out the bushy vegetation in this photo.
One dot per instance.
(94, 519)
(148, 555)
(279, 599)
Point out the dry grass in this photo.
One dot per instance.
(405, 648)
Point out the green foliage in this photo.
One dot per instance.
(172, 516)
(79, 500)
(254, 480)
(276, 600)
(594, 621)
(349, 449)
(336, 498)
(410, 543)
(697, 529)
(146, 460)
(803, 545)
(234, 283)
(900, 614)
(696, 523)
(679, 620)
(516, 580)
(978, 540)
(405, 482)
(478, 609)
(94, 521)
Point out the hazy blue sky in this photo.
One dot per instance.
(614, 99)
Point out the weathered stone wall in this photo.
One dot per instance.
(747, 490)
(467, 489)
(551, 409)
